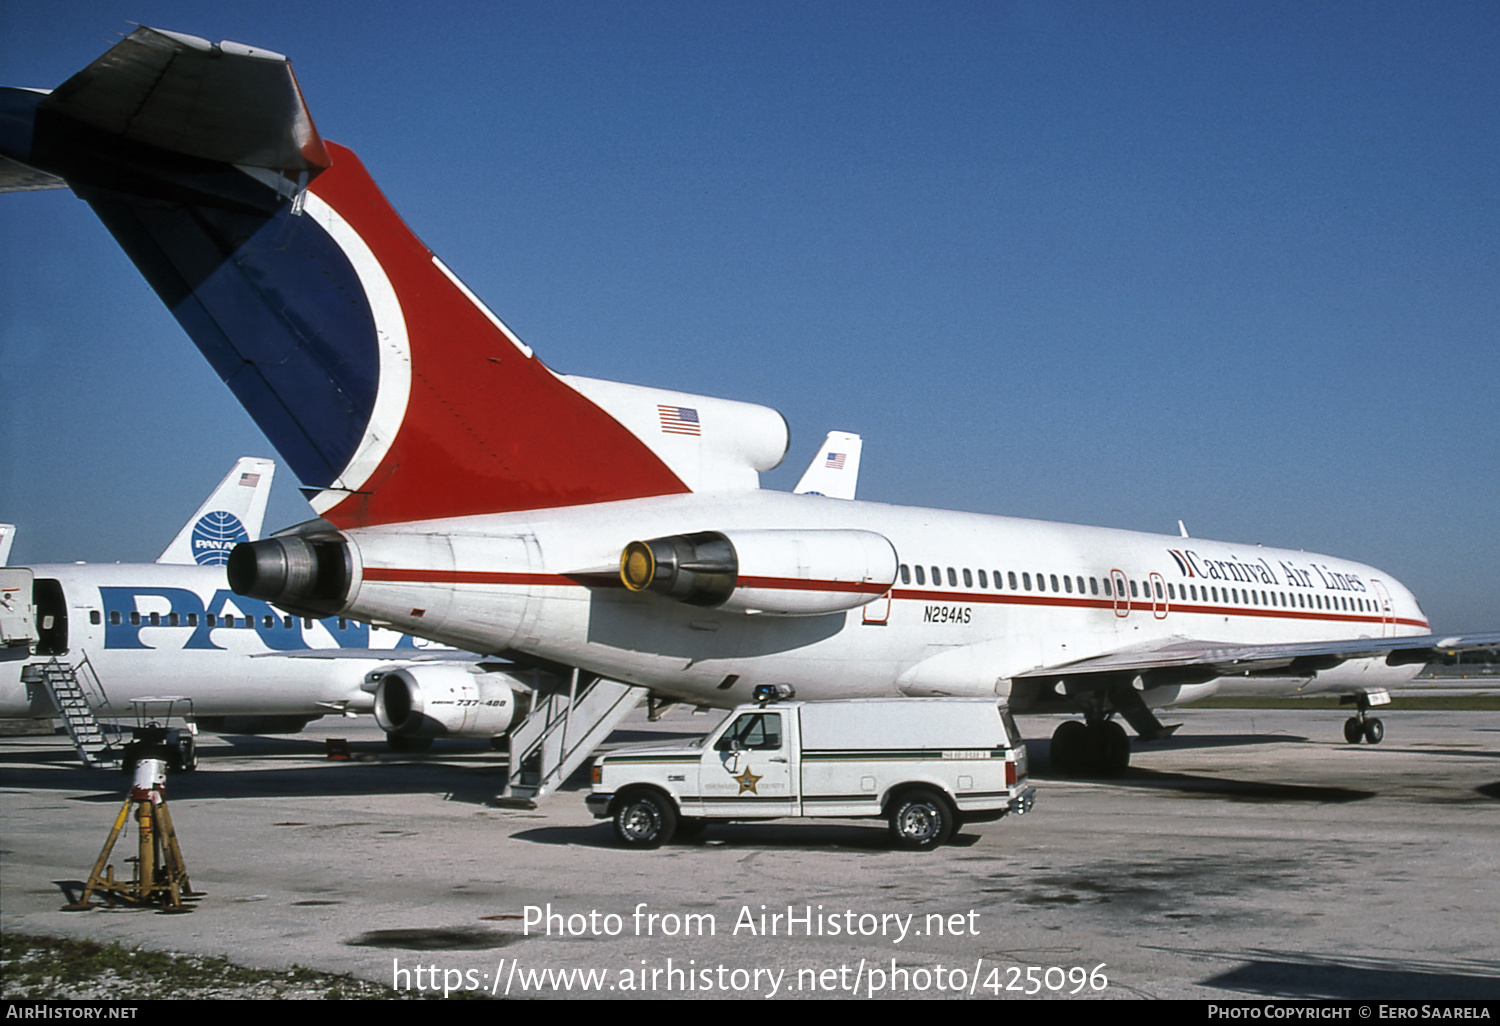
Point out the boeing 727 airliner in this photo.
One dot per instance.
(470, 495)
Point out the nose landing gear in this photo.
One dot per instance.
(1361, 726)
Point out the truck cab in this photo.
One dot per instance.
(924, 764)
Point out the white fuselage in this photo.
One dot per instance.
(158, 630)
(546, 584)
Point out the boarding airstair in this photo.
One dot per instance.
(76, 692)
(562, 730)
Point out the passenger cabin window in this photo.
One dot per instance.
(905, 574)
(1012, 577)
(921, 577)
(984, 581)
(952, 578)
(94, 617)
(969, 578)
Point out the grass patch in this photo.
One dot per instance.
(52, 968)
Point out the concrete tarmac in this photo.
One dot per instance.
(1253, 855)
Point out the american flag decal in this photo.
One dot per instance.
(679, 420)
(835, 461)
(249, 480)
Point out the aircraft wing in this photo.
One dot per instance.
(385, 655)
(1182, 661)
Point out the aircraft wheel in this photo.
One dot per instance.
(1374, 731)
(921, 820)
(644, 819)
(1353, 730)
(400, 743)
(186, 753)
(1069, 743)
(1111, 749)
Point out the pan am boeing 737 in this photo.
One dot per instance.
(470, 495)
(173, 628)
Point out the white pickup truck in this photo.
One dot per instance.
(925, 764)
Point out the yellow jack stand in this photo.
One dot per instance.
(160, 877)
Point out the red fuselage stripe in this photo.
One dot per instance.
(421, 576)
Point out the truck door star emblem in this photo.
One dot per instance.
(747, 781)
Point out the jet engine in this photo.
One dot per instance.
(793, 573)
(308, 575)
(448, 700)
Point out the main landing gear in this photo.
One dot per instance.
(1362, 726)
(1099, 749)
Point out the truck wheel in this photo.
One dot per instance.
(645, 819)
(921, 820)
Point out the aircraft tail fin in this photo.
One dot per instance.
(834, 471)
(387, 387)
(7, 538)
(233, 513)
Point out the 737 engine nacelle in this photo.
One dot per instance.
(447, 700)
(792, 573)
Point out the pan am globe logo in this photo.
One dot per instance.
(214, 535)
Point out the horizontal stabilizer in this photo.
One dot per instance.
(224, 101)
(17, 177)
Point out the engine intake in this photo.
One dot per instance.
(447, 700)
(792, 573)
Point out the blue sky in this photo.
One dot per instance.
(1113, 264)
